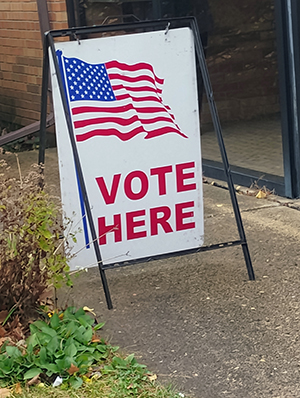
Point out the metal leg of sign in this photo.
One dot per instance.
(217, 126)
(43, 121)
(79, 169)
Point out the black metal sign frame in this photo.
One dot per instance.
(78, 33)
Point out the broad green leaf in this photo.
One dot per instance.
(85, 359)
(101, 348)
(51, 332)
(75, 382)
(119, 363)
(43, 338)
(43, 356)
(52, 367)
(59, 354)
(6, 364)
(39, 324)
(63, 364)
(32, 373)
(32, 340)
(87, 349)
(97, 356)
(44, 245)
(46, 233)
(54, 321)
(71, 328)
(87, 336)
(99, 326)
(69, 313)
(33, 329)
(130, 358)
(71, 350)
(53, 345)
(69, 341)
(85, 321)
(79, 333)
(80, 313)
(13, 352)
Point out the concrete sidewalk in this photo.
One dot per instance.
(196, 320)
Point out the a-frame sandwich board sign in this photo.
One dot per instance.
(128, 137)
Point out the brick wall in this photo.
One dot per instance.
(21, 58)
(242, 60)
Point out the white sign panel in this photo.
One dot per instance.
(135, 117)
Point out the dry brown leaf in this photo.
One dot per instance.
(18, 388)
(15, 322)
(152, 377)
(95, 339)
(261, 195)
(18, 333)
(4, 392)
(34, 380)
(47, 294)
(3, 340)
(2, 331)
(73, 369)
(91, 310)
(3, 315)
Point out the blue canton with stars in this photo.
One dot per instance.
(87, 82)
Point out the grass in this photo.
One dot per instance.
(106, 387)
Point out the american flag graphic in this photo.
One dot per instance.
(116, 99)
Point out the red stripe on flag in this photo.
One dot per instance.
(133, 68)
(121, 121)
(129, 135)
(140, 89)
(131, 79)
(109, 132)
(89, 109)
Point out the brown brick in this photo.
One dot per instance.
(8, 51)
(58, 16)
(7, 108)
(31, 88)
(28, 113)
(29, 6)
(19, 16)
(59, 25)
(4, 6)
(30, 61)
(7, 75)
(18, 68)
(7, 117)
(55, 7)
(16, 6)
(12, 42)
(39, 81)
(33, 52)
(6, 67)
(34, 44)
(19, 86)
